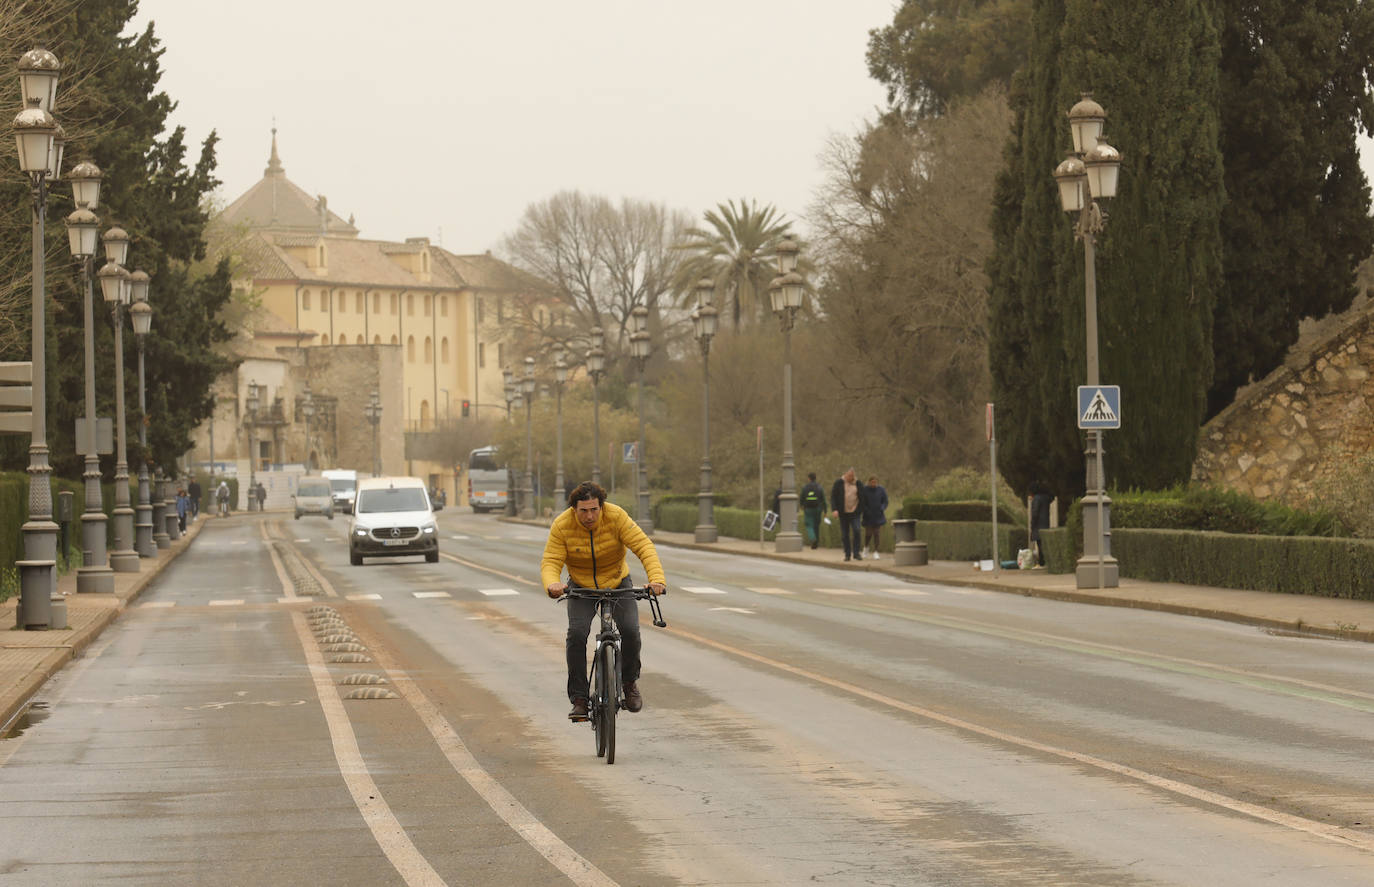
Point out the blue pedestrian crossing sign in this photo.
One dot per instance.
(1099, 406)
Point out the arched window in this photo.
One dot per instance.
(343, 339)
(376, 303)
(305, 300)
(429, 304)
(376, 340)
(429, 350)
(443, 349)
(394, 340)
(393, 303)
(359, 341)
(358, 303)
(443, 306)
(410, 348)
(321, 255)
(426, 420)
(410, 304)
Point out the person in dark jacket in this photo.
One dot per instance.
(813, 508)
(847, 505)
(874, 514)
(194, 491)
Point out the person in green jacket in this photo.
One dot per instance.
(812, 499)
(590, 538)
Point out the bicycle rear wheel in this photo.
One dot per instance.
(609, 685)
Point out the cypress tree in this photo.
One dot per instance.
(1154, 68)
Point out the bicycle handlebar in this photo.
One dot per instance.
(639, 593)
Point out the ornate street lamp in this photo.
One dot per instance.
(373, 412)
(596, 368)
(704, 320)
(786, 292)
(1088, 174)
(640, 348)
(124, 558)
(141, 316)
(95, 574)
(251, 420)
(527, 491)
(560, 376)
(308, 411)
(40, 158)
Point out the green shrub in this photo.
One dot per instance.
(957, 511)
(1060, 550)
(969, 540)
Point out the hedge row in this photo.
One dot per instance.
(1312, 565)
(972, 511)
(968, 540)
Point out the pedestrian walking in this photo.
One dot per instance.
(222, 498)
(813, 509)
(183, 506)
(874, 514)
(847, 505)
(261, 493)
(194, 491)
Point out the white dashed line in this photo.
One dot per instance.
(302, 540)
(364, 597)
(498, 592)
(239, 542)
(734, 610)
(907, 592)
(237, 602)
(459, 538)
(158, 605)
(770, 591)
(838, 591)
(702, 589)
(431, 593)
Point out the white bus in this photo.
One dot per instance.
(487, 480)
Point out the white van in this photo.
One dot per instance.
(487, 481)
(393, 519)
(313, 496)
(344, 483)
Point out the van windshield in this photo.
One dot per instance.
(481, 461)
(340, 484)
(313, 488)
(397, 499)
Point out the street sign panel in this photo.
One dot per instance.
(1099, 407)
(629, 452)
(104, 435)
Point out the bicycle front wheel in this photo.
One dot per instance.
(594, 706)
(609, 686)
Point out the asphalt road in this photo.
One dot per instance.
(801, 725)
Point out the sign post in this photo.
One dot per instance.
(992, 475)
(1099, 409)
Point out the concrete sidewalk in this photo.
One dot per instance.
(29, 658)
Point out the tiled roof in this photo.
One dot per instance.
(487, 272)
(278, 204)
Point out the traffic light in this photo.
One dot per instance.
(466, 408)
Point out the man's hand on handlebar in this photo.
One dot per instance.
(556, 590)
(658, 588)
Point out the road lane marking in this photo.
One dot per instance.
(838, 592)
(236, 602)
(701, 589)
(498, 592)
(906, 592)
(1297, 823)
(157, 605)
(770, 590)
(364, 597)
(424, 594)
(458, 538)
(735, 610)
(391, 837)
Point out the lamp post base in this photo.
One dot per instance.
(144, 543)
(706, 517)
(1089, 573)
(95, 580)
(787, 542)
(123, 559)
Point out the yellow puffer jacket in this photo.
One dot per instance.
(596, 559)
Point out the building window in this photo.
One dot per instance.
(443, 349)
(359, 303)
(410, 304)
(481, 355)
(393, 307)
(343, 339)
(429, 304)
(321, 255)
(376, 340)
(359, 341)
(394, 340)
(429, 350)
(376, 303)
(410, 348)
(443, 306)
(500, 354)
(305, 300)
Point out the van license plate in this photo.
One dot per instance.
(394, 541)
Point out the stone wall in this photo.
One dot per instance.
(1302, 422)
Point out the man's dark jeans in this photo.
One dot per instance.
(581, 615)
(850, 533)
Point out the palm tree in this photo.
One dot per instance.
(737, 248)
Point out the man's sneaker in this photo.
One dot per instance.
(633, 700)
(875, 554)
(579, 710)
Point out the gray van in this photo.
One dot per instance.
(314, 496)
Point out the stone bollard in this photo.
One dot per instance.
(908, 552)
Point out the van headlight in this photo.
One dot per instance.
(427, 528)
(359, 531)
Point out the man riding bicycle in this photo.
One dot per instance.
(590, 539)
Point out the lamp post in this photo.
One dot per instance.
(307, 410)
(527, 489)
(141, 316)
(250, 419)
(704, 319)
(640, 349)
(596, 367)
(94, 575)
(373, 412)
(124, 558)
(560, 376)
(1090, 172)
(786, 293)
(40, 158)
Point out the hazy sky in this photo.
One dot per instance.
(446, 118)
(429, 116)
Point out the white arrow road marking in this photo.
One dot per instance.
(431, 593)
(770, 590)
(498, 592)
(702, 589)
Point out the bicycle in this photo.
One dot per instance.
(603, 680)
